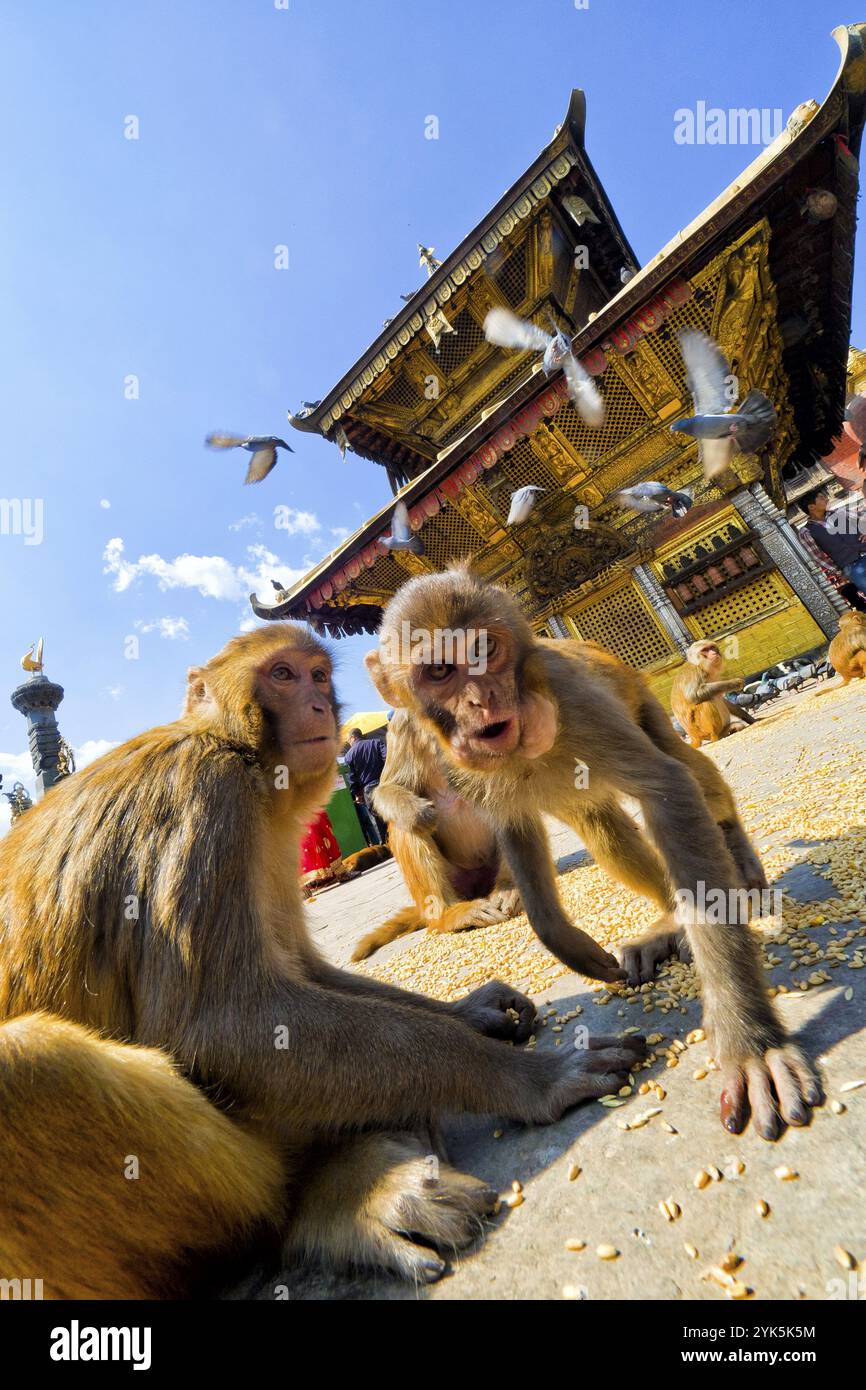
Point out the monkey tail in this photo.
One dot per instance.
(408, 919)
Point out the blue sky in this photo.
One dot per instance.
(154, 258)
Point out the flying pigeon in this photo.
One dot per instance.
(653, 496)
(402, 536)
(263, 448)
(522, 503)
(713, 388)
(579, 209)
(505, 329)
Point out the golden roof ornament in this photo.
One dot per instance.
(33, 661)
(856, 371)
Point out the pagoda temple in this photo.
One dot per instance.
(458, 424)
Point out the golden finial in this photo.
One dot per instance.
(856, 369)
(31, 662)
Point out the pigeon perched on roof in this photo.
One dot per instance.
(713, 386)
(625, 275)
(505, 329)
(263, 448)
(653, 496)
(402, 536)
(522, 503)
(427, 260)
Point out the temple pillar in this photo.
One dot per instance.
(663, 608)
(795, 564)
(37, 699)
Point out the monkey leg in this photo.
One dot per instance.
(117, 1174)
(382, 1201)
(716, 792)
(756, 1056)
(618, 846)
(426, 874)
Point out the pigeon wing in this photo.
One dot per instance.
(708, 372)
(505, 329)
(225, 441)
(401, 529)
(756, 422)
(583, 391)
(261, 464)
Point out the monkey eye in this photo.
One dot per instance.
(321, 675)
(282, 673)
(438, 671)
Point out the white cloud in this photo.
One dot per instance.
(340, 532)
(15, 767)
(172, 629)
(296, 523)
(91, 749)
(115, 691)
(251, 519)
(212, 575)
(104, 503)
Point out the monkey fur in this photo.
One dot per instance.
(518, 731)
(446, 848)
(179, 1067)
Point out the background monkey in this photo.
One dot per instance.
(445, 846)
(515, 734)
(153, 899)
(698, 696)
(847, 653)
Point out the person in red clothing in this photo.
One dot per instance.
(321, 859)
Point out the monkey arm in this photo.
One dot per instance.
(750, 1039)
(401, 807)
(323, 1060)
(485, 1009)
(527, 851)
(708, 690)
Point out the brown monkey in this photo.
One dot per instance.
(445, 846)
(847, 653)
(517, 727)
(698, 696)
(153, 899)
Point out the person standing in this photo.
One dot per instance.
(364, 759)
(838, 539)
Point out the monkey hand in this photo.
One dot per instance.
(779, 1088)
(425, 816)
(640, 957)
(597, 1069)
(498, 1011)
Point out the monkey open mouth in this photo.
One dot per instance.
(499, 736)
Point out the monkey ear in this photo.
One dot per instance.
(198, 697)
(379, 677)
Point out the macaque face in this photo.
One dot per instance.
(711, 660)
(295, 689)
(479, 708)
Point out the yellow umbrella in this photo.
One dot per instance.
(367, 722)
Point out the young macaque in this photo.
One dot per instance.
(847, 652)
(533, 727)
(698, 696)
(445, 845)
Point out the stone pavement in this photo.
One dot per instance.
(800, 777)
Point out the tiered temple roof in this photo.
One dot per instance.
(457, 429)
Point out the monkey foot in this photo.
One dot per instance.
(386, 1203)
(779, 1089)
